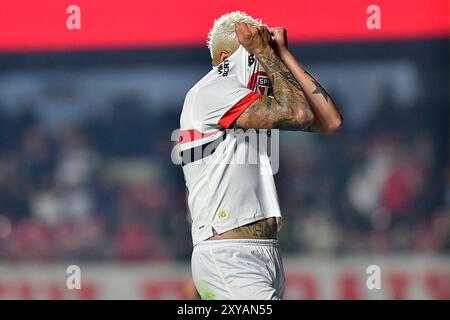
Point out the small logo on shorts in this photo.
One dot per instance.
(223, 214)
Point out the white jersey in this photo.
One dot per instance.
(222, 194)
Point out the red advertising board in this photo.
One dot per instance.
(307, 279)
(41, 25)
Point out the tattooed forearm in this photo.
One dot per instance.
(293, 111)
(319, 89)
(284, 84)
(311, 98)
(288, 109)
(268, 114)
(266, 228)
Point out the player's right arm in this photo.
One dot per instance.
(287, 109)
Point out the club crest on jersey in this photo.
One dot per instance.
(260, 83)
(264, 86)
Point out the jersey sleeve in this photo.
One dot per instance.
(220, 102)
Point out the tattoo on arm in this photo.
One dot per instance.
(289, 107)
(269, 115)
(284, 84)
(319, 89)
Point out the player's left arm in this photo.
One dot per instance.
(327, 117)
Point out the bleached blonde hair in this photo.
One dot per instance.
(223, 29)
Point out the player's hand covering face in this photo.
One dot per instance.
(279, 41)
(253, 39)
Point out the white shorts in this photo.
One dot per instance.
(238, 269)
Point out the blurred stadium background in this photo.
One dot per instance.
(86, 177)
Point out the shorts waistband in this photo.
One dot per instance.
(227, 242)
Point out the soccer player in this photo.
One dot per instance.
(255, 83)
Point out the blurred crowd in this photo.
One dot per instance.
(383, 189)
(102, 190)
(107, 189)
